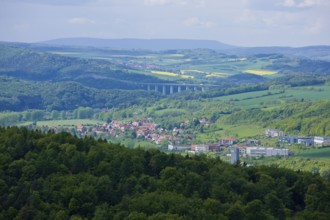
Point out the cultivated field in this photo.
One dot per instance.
(261, 72)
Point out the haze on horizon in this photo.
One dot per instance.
(235, 22)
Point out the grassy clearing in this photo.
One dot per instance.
(310, 93)
(261, 72)
(238, 131)
(65, 123)
(316, 153)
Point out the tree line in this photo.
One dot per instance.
(58, 176)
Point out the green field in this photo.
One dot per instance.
(238, 131)
(316, 153)
(65, 123)
(205, 64)
(271, 98)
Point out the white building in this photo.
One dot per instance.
(172, 147)
(266, 151)
(272, 133)
(318, 140)
(200, 148)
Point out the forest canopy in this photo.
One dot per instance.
(58, 176)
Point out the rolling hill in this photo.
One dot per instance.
(27, 64)
(148, 44)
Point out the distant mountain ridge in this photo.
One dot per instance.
(146, 44)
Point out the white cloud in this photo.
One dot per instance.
(196, 22)
(81, 21)
(301, 3)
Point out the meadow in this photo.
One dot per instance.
(64, 123)
(275, 97)
(322, 153)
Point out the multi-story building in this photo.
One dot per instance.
(266, 151)
(234, 152)
(319, 140)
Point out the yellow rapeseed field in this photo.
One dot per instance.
(187, 77)
(164, 73)
(261, 72)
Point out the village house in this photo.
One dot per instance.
(227, 141)
(81, 128)
(214, 147)
(148, 126)
(204, 121)
(252, 142)
(271, 133)
(177, 131)
(116, 124)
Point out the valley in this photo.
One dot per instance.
(165, 110)
(191, 96)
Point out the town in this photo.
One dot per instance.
(146, 129)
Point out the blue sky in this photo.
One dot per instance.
(236, 22)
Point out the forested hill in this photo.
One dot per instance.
(151, 44)
(28, 64)
(19, 95)
(57, 176)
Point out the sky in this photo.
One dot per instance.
(236, 22)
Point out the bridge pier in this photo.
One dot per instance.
(169, 88)
(164, 90)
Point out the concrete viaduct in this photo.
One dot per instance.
(171, 88)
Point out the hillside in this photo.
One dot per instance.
(32, 65)
(150, 44)
(19, 95)
(318, 52)
(57, 176)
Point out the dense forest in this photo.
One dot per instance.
(31, 65)
(303, 118)
(19, 95)
(58, 176)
